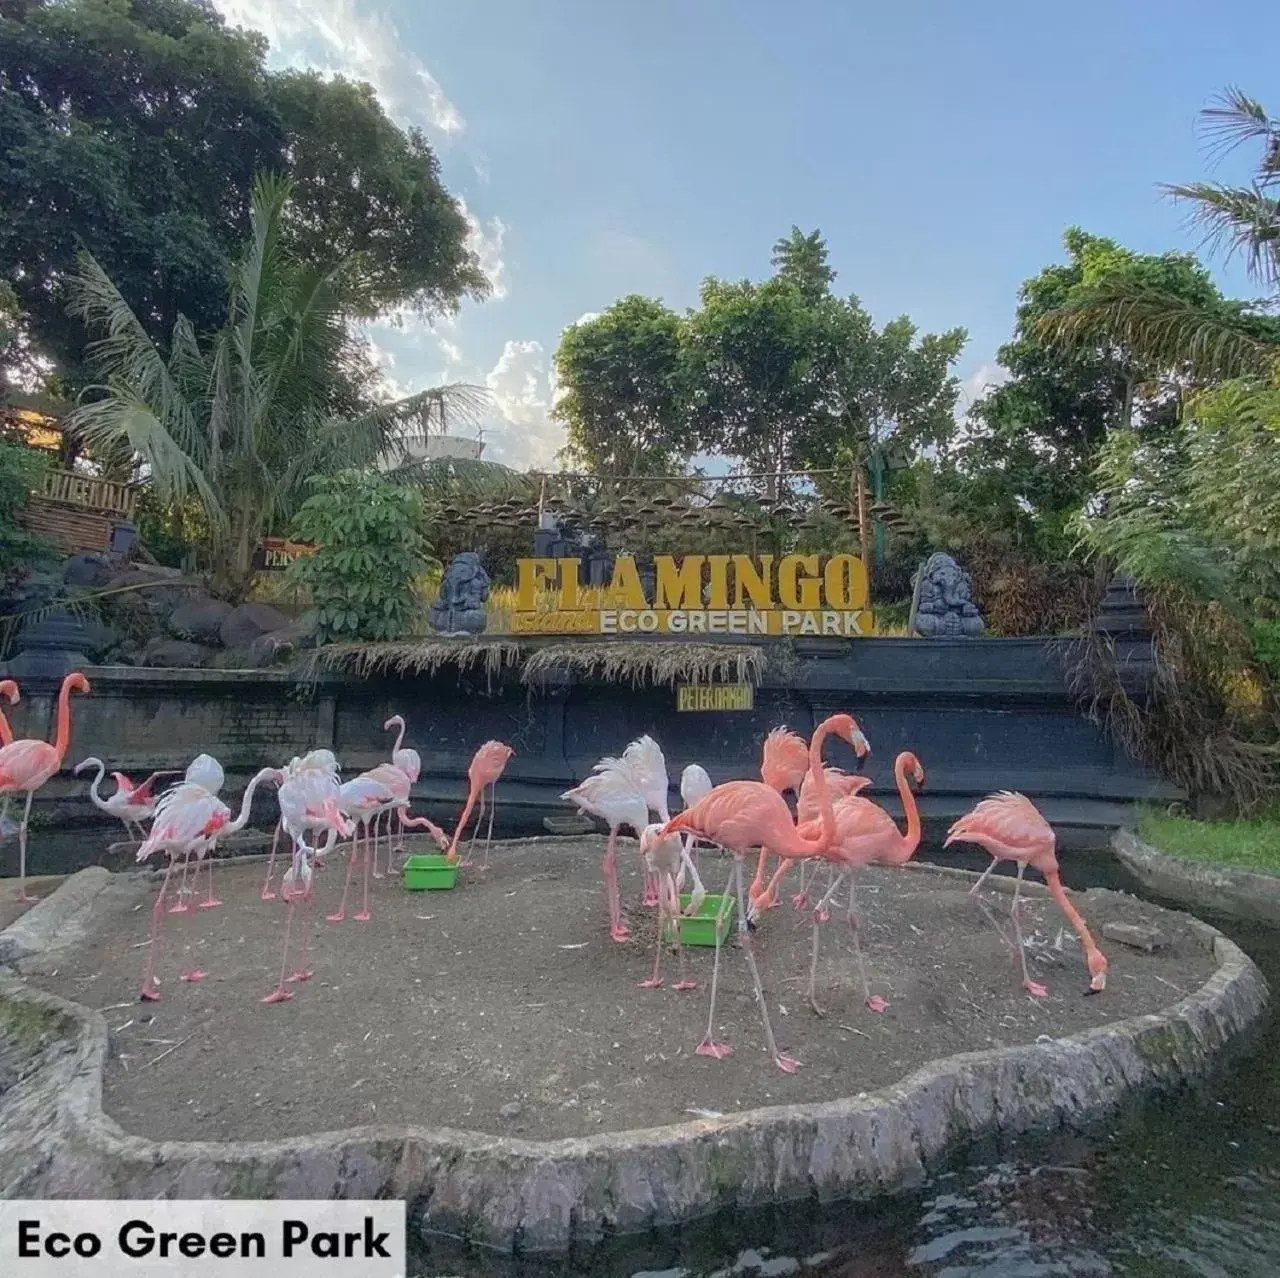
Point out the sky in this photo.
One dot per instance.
(604, 147)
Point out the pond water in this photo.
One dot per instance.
(1176, 1186)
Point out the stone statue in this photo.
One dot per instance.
(459, 609)
(942, 606)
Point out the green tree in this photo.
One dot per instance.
(802, 260)
(134, 129)
(370, 550)
(241, 421)
(1035, 439)
(624, 405)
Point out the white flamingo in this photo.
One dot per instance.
(131, 805)
(187, 816)
(312, 778)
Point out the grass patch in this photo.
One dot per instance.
(1249, 845)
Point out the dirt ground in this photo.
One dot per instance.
(503, 1006)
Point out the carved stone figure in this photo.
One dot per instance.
(942, 606)
(459, 610)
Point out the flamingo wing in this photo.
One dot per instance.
(648, 765)
(739, 815)
(613, 797)
(695, 784)
(784, 760)
(1008, 819)
(26, 764)
(840, 785)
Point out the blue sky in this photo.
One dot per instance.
(612, 146)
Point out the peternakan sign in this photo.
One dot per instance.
(699, 595)
(200, 1239)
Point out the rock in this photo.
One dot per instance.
(199, 620)
(250, 621)
(1138, 936)
(276, 644)
(88, 570)
(176, 654)
(512, 1109)
(163, 593)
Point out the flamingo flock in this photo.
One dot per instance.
(835, 827)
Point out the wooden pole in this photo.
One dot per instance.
(859, 486)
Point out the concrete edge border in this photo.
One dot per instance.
(56, 1140)
(1205, 885)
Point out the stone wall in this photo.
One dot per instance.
(982, 715)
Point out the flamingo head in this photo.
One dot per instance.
(90, 762)
(846, 728)
(9, 689)
(76, 682)
(1097, 971)
(913, 767)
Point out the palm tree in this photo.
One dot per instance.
(239, 422)
(1203, 344)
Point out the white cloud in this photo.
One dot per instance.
(485, 239)
(520, 431)
(449, 350)
(986, 377)
(338, 37)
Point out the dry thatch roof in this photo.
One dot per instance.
(615, 661)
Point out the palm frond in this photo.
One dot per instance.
(1237, 220)
(467, 480)
(1166, 331)
(1236, 119)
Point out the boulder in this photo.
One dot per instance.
(88, 570)
(199, 620)
(270, 647)
(250, 621)
(176, 654)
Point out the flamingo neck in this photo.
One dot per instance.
(400, 737)
(95, 796)
(246, 803)
(911, 840)
(1059, 894)
(62, 739)
(828, 835)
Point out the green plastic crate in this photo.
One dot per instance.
(430, 872)
(700, 928)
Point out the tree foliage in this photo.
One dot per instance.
(625, 403)
(239, 422)
(134, 129)
(370, 550)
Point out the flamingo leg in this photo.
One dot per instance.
(23, 895)
(787, 1064)
(1034, 988)
(363, 916)
(819, 917)
(488, 838)
(757, 882)
(377, 816)
(991, 918)
(303, 972)
(767, 899)
(673, 909)
(149, 993)
(267, 893)
(181, 907)
(210, 902)
(341, 912)
(612, 897)
(709, 1046)
(655, 981)
(461, 828)
(873, 1001)
(699, 893)
(280, 994)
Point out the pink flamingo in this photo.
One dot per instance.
(665, 857)
(1010, 828)
(611, 795)
(8, 690)
(298, 884)
(840, 785)
(865, 834)
(310, 779)
(740, 816)
(784, 764)
(26, 764)
(131, 804)
(188, 816)
(486, 767)
(407, 764)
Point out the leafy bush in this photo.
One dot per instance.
(370, 550)
(20, 471)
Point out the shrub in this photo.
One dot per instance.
(370, 549)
